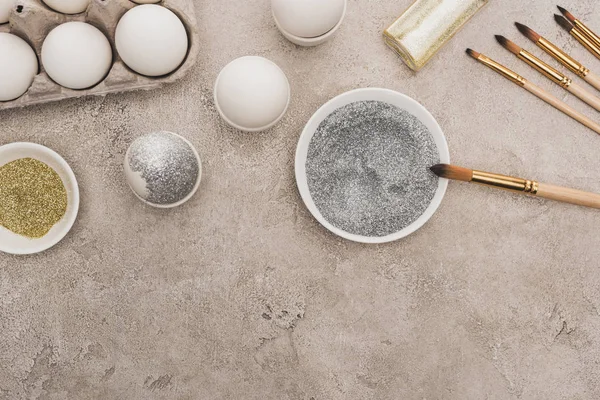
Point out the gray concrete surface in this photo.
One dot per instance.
(240, 294)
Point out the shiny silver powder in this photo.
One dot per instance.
(368, 168)
(167, 164)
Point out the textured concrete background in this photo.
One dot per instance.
(240, 294)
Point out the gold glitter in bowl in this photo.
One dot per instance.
(33, 198)
(426, 27)
(57, 172)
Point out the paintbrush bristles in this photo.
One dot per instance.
(473, 53)
(567, 14)
(528, 32)
(453, 172)
(562, 21)
(507, 44)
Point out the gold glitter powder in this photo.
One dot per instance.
(32, 197)
(426, 26)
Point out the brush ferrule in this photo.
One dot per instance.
(566, 82)
(502, 70)
(586, 42)
(505, 182)
(562, 57)
(587, 32)
(544, 68)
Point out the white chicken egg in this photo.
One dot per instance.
(18, 66)
(76, 55)
(5, 9)
(68, 6)
(151, 40)
(252, 93)
(308, 18)
(146, 1)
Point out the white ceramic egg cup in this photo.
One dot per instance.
(313, 41)
(142, 183)
(243, 128)
(12, 243)
(371, 94)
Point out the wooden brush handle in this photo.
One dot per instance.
(567, 195)
(562, 106)
(593, 80)
(584, 95)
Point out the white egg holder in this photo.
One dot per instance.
(32, 20)
(310, 41)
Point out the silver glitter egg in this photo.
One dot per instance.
(163, 169)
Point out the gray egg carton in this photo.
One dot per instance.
(32, 20)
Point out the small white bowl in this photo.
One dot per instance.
(314, 41)
(12, 243)
(391, 97)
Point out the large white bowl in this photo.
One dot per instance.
(16, 244)
(387, 96)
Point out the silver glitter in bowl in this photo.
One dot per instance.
(367, 168)
(163, 169)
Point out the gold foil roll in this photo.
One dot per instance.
(426, 27)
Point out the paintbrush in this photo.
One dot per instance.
(560, 55)
(577, 34)
(526, 186)
(549, 72)
(537, 91)
(581, 27)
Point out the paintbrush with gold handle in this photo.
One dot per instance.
(551, 73)
(535, 90)
(559, 55)
(585, 40)
(533, 188)
(580, 26)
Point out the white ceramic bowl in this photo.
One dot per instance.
(16, 244)
(391, 97)
(314, 41)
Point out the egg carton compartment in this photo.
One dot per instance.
(32, 21)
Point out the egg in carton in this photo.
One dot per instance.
(33, 20)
